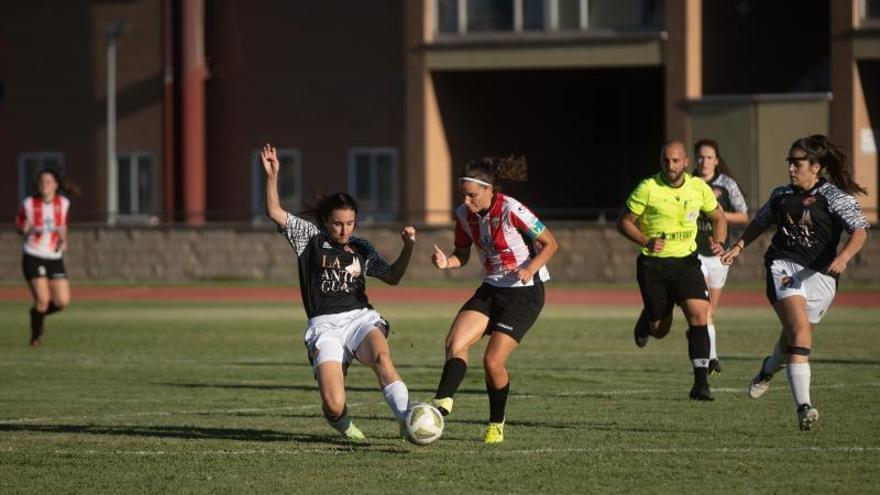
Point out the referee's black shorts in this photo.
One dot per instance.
(511, 310)
(664, 282)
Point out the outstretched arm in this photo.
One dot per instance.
(398, 268)
(457, 259)
(269, 157)
(752, 232)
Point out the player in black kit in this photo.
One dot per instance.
(342, 326)
(802, 262)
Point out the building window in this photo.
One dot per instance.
(136, 184)
(29, 166)
(460, 17)
(289, 183)
(372, 180)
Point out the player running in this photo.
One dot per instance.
(802, 262)
(661, 216)
(514, 247)
(342, 326)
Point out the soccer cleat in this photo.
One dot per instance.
(354, 433)
(807, 416)
(714, 367)
(701, 392)
(760, 383)
(443, 405)
(642, 330)
(494, 433)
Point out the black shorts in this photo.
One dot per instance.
(511, 310)
(666, 281)
(34, 267)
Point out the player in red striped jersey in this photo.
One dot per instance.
(42, 222)
(514, 247)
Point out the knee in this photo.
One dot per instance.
(60, 303)
(41, 304)
(493, 364)
(333, 405)
(455, 348)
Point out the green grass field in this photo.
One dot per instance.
(219, 398)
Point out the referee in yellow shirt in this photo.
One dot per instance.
(661, 216)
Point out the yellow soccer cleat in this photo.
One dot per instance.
(354, 433)
(443, 405)
(494, 433)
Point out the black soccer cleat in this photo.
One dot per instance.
(642, 330)
(701, 392)
(714, 367)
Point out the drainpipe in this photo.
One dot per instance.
(193, 73)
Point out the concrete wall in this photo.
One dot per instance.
(588, 254)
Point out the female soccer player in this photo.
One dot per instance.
(661, 216)
(333, 265)
(514, 247)
(802, 262)
(42, 223)
(712, 169)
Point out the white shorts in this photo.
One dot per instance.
(714, 271)
(336, 337)
(786, 278)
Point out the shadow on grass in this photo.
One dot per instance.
(185, 433)
(305, 364)
(844, 361)
(305, 388)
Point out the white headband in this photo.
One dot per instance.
(478, 181)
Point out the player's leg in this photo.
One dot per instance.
(468, 327)
(715, 275)
(331, 384)
(696, 312)
(798, 331)
(498, 351)
(375, 353)
(59, 294)
(39, 287)
(655, 319)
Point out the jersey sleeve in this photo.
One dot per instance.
(737, 200)
(710, 202)
(298, 232)
(638, 199)
(525, 221)
(462, 239)
(21, 219)
(65, 211)
(847, 211)
(765, 214)
(376, 265)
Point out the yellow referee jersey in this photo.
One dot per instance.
(671, 213)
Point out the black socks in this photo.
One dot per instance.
(453, 374)
(497, 403)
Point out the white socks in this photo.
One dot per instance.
(799, 382)
(712, 353)
(775, 362)
(397, 397)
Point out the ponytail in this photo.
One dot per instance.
(492, 170)
(832, 158)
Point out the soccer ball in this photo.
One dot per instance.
(424, 424)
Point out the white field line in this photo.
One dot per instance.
(414, 450)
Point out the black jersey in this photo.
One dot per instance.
(332, 279)
(809, 223)
(730, 198)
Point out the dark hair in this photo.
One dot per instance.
(832, 158)
(722, 165)
(493, 169)
(65, 186)
(329, 203)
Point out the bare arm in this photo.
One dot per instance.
(626, 225)
(398, 268)
(719, 228)
(736, 217)
(457, 259)
(853, 245)
(269, 157)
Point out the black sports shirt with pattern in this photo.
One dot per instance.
(730, 199)
(809, 223)
(331, 279)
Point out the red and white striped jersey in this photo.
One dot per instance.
(503, 238)
(45, 221)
